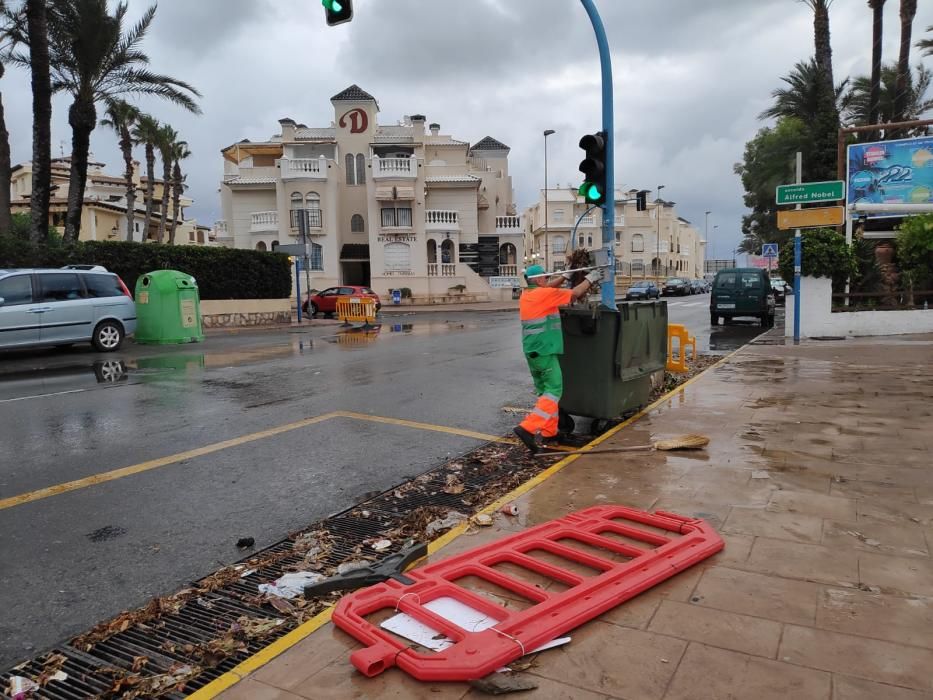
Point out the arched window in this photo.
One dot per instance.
(357, 225)
(447, 251)
(432, 251)
(360, 169)
(296, 200)
(261, 246)
(507, 254)
(397, 257)
(589, 241)
(275, 244)
(312, 200)
(638, 243)
(348, 166)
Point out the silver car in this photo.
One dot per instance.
(62, 307)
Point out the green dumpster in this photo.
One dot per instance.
(168, 308)
(609, 357)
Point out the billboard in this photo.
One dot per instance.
(899, 172)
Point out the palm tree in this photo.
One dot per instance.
(916, 101)
(121, 117)
(901, 97)
(179, 153)
(824, 50)
(877, 8)
(166, 145)
(825, 126)
(6, 215)
(926, 45)
(802, 97)
(37, 36)
(95, 57)
(146, 132)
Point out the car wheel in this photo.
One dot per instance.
(311, 309)
(713, 320)
(108, 336)
(767, 321)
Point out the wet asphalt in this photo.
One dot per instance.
(74, 559)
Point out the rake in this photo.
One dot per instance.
(683, 442)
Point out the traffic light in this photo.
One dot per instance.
(593, 167)
(641, 200)
(337, 11)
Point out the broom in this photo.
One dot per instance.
(683, 442)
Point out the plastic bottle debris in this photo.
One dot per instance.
(291, 585)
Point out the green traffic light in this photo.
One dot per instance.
(332, 5)
(591, 193)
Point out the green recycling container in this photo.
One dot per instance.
(609, 357)
(168, 309)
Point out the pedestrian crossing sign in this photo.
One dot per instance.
(769, 250)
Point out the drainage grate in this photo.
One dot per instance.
(182, 642)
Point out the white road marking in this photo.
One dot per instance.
(43, 396)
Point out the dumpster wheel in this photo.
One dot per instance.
(565, 422)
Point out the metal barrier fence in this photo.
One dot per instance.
(356, 310)
(676, 330)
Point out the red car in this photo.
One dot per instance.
(326, 302)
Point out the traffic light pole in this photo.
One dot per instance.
(609, 207)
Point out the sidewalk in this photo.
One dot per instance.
(818, 477)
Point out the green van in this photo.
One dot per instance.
(742, 291)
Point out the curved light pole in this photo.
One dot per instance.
(547, 238)
(657, 212)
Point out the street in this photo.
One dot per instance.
(235, 437)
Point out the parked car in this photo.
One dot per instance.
(86, 268)
(697, 287)
(325, 302)
(676, 286)
(742, 291)
(781, 290)
(63, 307)
(643, 290)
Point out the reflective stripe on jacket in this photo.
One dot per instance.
(538, 310)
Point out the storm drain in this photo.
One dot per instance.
(180, 643)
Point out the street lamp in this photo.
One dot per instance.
(547, 239)
(657, 212)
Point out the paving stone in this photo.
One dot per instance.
(307, 657)
(871, 659)
(846, 688)
(910, 575)
(901, 538)
(613, 660)
(727, 630)
(894, 618)
(250, 689)
(337, 681)
(547, 689)
(706, 673)
(816, 504)
(757, 594)
(805, 562)
(785, 526)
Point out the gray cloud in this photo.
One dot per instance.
(690, 79)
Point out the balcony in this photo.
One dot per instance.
(441, 219)
(508, 224)
(508, 270)
(263, 221)
(314, 217)
(399, 168)
(442, 269)
(306, 168)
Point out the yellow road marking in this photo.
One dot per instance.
(280, 646)
(114, 474)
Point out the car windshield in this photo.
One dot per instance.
(675, 280)
(640, 285)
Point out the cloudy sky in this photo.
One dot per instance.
(690, 79)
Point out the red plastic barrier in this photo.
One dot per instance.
(654, 558)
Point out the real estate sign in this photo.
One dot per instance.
(886, 172)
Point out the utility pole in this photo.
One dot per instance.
(547, 238)
(797, 259)
(657, 213)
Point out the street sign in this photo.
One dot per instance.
(769, 250)
(504, 282)
(807, 192)
(810, 218)
(300, 250)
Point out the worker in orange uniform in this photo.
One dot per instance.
(543, 343)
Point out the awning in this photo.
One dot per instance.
(354, 252)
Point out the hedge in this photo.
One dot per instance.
(221, 273)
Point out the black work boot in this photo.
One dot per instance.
(528, 439)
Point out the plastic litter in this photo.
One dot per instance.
(21, 687)
(381, 545)
(452, 519)
(349, 566)
(509, 509)
(291, 585)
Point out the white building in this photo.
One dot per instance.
(389, 206)
(642, 246)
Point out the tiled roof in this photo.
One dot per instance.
(453, 178)
(445, 142)
(489, 144)
(353, 93)
(237, 180)
(308, 134)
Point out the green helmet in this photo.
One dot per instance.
(532, 272)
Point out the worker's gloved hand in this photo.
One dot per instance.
(567, 275)
(594, 276)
